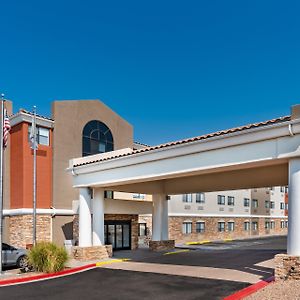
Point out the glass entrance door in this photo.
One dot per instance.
(118, 234)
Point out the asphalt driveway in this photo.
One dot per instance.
(116, 282)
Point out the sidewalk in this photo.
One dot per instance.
(15, 273)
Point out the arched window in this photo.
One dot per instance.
(96, 138)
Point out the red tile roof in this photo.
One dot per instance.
(194, 139)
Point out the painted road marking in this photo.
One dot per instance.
(175, 252)
(112, 261)
(198, 243)
(227, 240)
(257, 270)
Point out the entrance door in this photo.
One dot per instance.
(118, 234)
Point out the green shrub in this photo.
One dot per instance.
(47, 257)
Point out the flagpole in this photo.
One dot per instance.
(1, 180)
(34, 176)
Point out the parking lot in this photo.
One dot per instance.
(211, 271)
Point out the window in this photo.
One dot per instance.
(267, 225)
(272, 225)
(267, 204)
(272, 204)
(254, 226)
(282, 189)
(281, 205)
(221, 199)
(246, 226)
(187, 227)
(230, 200)
(96, 138)
(42, 135)
(286, 189)
(230, 226)
(187, 198)
(138, 196)
(286, 206)
(200, 198)
(255, 203)
(109, 194)
(286, 224)
(246, 202)
(200, 227)
(142, 229)
(282, 224)
(221, 226)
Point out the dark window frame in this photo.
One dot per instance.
(221, 226)
(247, 226)
(254, 201)
(200, 198)
(230, 200)
(229, 228)
(200, 227)
(246, 202)
(39, 135)
(185, 226)
(95, 135)
(187, 198)
(221, 199)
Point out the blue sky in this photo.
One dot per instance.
(173, 69)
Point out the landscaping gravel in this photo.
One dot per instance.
(287, 290)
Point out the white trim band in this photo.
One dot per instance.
(40, 211)
(219, 216)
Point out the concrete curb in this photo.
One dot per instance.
(250, 289)
(13, 281)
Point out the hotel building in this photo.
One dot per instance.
(225, 214)
(83, 128)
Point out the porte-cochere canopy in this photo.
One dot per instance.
(256, 155)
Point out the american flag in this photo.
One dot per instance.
(6, 129)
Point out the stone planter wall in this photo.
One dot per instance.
(162, 245)
(91, 253)
(287, 267)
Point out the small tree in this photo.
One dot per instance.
(47, 257)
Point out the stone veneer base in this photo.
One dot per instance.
(161, 245)
(287, 267)
(20, 229)
(91, 253)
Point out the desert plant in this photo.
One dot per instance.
(47, 257)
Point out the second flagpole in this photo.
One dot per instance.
(34, 146)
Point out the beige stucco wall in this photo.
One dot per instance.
(70, 118)
(62, 229)
(211, 206)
